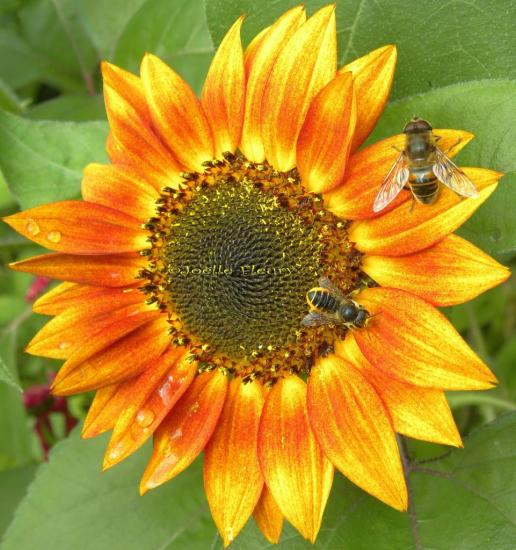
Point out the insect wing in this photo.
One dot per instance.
(447, 172)
(324, 282)
(393, 183)
(315, 319)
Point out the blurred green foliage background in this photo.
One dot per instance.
(456, 68)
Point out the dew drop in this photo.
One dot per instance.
(145, 417)
(164, 393)
(64, 345)
(54, 236)
(193, 409)
(230, 535)
(177, 434)
(116, 451)
(32, 227)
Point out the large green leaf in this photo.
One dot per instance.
(42, 161)
(174, 30)
(439, 43)
(463, 501)
(46, 39)
(14, 485)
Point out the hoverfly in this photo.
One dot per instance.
(420, 167)
(329, 306)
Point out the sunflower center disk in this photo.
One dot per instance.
(234, 251)
(238, 268)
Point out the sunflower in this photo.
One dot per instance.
(187, 262)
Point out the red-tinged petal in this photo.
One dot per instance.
(73, 328)
(72, 295)
(78, 227)
(150, 397)
(325, 139)
(304, 66)
(451, 272)
(127, 354)
(120, 188)
(186, 430)
(421, 413)
(176, 113)
(353, 428)
(413, 341)
(133, 139)
(232, 477)
(107, 405)
(223, 95)
(268, 517)
(296, 471)
(367, 168)
(259, 62)
(373, 74)
(401, 232)
(111, 271)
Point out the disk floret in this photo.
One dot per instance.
(233, 251)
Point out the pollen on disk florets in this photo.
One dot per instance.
(233, 251)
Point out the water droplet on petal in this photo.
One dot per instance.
(32, 227)
(230, 535)
(164, 393)
(170, 377)
(145, 417)
(177, 434)
(54, 236)
(193, 409)
(64, 345)
(116, 451)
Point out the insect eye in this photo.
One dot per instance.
(361, 318)
(348, 312)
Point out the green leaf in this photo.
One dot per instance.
(14, 485)
(175, 31)
(8, 99)
(439, 43)
(71, 499)
(47, 39)
(449, 495)
(5, 375)
(42, 161)
(105, 21)
(79, 108)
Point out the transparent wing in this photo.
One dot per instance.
(452, 176)
(393, 183)
(315, 319)
(324, 282)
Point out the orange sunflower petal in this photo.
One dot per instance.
(150, 396)
(304, 66)
(78, 227)
(401, 232)
(259, 62)
(129, 350)
(373, 74)
(232, 478)
(223, 95)
(186, 430)
(253, 48)
(421, 413)
(119, 188)
(325, 138)
(106, 407)
(423, 347)
(451, 272)
(296, 471)
(96, 298)
(176, 113)
(111, 271)
(367, 169)
(353, 428)
(268, 517)
(72, 328)
(133, 140)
